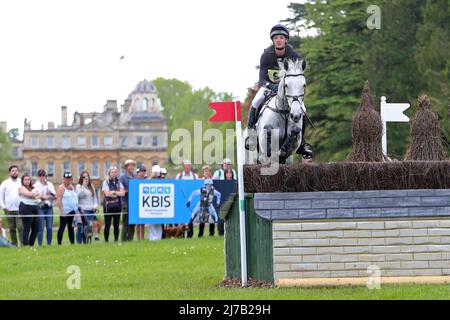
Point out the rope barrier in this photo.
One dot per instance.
(50, 215)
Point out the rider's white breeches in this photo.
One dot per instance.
(260, 97)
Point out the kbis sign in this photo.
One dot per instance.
(170, 201)
(157, 200)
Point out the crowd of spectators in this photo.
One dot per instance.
(29, 207)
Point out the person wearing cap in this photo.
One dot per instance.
(279, 51)
(141, 174)
(187, 174)
(48, 196)
(155, 231)
(156, 171)
(163, 173)
(127, 229)
(67, 201)
(220, 174)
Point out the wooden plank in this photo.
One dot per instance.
(359, 281)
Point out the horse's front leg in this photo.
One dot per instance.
(292, 142)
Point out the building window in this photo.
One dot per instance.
(34, 142)
(123, 142)
(155, 141)
(15, 152)
(66, 142)
(50, 168)
(94, 141)
(34, 168)
(139, 140)
(95, 169)
(108, 141)
(81, 167)
(145, 104)
(82, 141)
(108, 165)
(66, 166)
(50, 142)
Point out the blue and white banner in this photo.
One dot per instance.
(171, 201)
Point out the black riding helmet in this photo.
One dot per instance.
(279, 29)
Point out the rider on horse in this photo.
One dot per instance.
(268, 79)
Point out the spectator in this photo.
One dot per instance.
(9, 202)
(48, 195)
(224, 173)
(155, 231)
(141, 173)
(112, 205)
(156, 172)
(206, 169)
(229, 174)
(88, 203)
(30, 200)
(67, 201)
(187, 174)
(3, 241)
(163, 173)
(127, 229)
(220, 173)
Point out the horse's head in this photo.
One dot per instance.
(292, 86)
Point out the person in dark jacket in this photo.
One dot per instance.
(279, 51)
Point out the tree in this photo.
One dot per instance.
(432, 56)
(390, 64)
(5, 154)
(183, 106)
(335, 75)
(13, 134)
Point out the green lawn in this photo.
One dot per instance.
(168, 269)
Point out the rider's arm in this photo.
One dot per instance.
(218, 195)
(264, 69)
(193, 194)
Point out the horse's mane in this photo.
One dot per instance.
(293, 66)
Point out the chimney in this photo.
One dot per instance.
(110, 106)
(51, 125)
(64, 116)
(3, 126)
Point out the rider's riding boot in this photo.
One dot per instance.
(252, 119)
(305, 149)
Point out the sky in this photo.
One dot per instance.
(57, 53)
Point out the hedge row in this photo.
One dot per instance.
(350, 176)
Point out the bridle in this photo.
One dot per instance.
(295, 98)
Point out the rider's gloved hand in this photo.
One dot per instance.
(188, 204)
(272, 86)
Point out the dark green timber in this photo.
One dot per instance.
(259, 243)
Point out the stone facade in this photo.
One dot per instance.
(352, 237)
(97, 140)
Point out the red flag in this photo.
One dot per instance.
(225, 111)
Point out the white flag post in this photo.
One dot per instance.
(240, 163)
(391, 112)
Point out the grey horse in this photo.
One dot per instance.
(281, 118)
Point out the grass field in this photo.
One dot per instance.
(168, 269)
